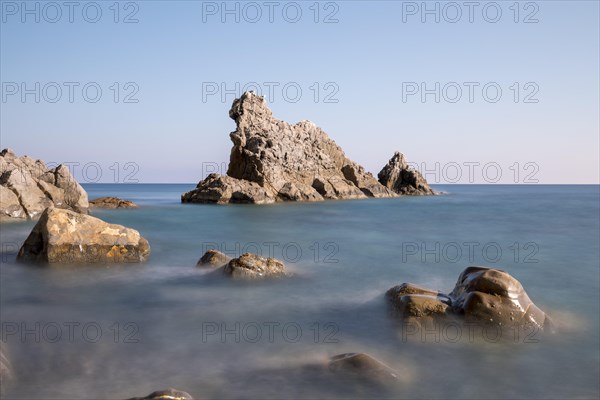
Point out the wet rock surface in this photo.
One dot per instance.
(66, 237)
(169, 394)
(482, 296)
(213, 259)
(251, 266)
(112, 202)
(272, 160)
(28, 187)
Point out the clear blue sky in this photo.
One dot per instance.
(369, 57)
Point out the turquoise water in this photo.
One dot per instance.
(169, 324)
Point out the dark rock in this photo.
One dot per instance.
(213, 258)
(66, 237)
(399, 177)
(112, 202)
(169, 394)
(28, 187)
(272, 161)
(251, 266)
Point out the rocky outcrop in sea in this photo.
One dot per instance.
(66, 237)
(28, 187)
(112, 202)
(272, 160)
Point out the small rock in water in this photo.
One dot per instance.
(66, 237)
(169, 394)
(213, 258)
(251, 266)
(482, 296)
(363, 366)
(112, 202)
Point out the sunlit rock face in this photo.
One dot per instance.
(272, 160)
(28, 187)
(483, 297)
(251, 267)
(66, 237)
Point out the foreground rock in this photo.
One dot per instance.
(272, 161)
(112, 202)
(28, 187)
(66, 237)
(169, 394)
(399, 177)
(5, 368)
(482, 296)
(213, 259)
(251, 266)
(360, 365)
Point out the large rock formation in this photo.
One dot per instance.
(482, 297)
(28, 187)
(399, 177)
(272, 160)
(66, 237)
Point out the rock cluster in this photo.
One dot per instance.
(272, 160)
(112, 202)
(482, 296)
(66, 237)
(28, 187)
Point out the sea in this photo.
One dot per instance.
(120, 331)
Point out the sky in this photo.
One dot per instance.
(471, 92)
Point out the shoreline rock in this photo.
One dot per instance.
(273, 161)
(28, 187)
(112, 202)
(213, 259)
(66, 237)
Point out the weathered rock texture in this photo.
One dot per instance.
(482, 296)
(169, 394)
(251, 266)
(272, 160)
(213, 259)
(399, 177)
(5, 368)
(112, 202)
(28, 187)
(66, 237)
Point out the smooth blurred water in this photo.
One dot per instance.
(177, 323)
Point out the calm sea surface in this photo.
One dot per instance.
(122, 331)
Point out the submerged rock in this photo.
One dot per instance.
(66, 237)
(399, 177)
(251, 266)
(112, 202)
(28, 187)
(360, 365)
(272, 161)
(213, 258)
(482, 296)
(169, 394)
